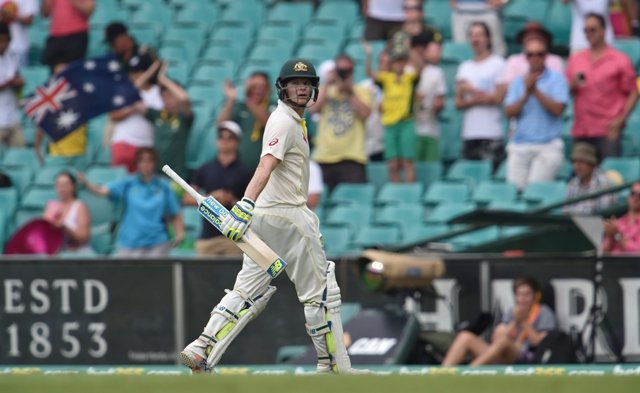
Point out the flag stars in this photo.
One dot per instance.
(114, 66)
(118, 100)
(67, 119)
(88, 88)
(89, 65)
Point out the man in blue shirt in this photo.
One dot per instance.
(536, 101)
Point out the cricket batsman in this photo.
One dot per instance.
(274, 205)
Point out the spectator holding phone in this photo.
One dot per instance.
(622, 235)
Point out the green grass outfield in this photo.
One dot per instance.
(319, 384)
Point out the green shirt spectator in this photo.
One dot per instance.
(170, 138)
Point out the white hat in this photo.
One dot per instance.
(231, 126)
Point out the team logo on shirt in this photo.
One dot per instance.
(273, 142)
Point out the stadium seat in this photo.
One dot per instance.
(37, 198)
(447, 211)
(192, 222)
(470, 171)
(405, 216)
(628, 168)
(399, 193)
(631, 47)
(102, 239)
(179, 72)
(456, 52)
(348, 12)
(438, 14)
(21, 157)
(518, 206)
(518, 12)
(544, 193)
(377, 174)
(488, 191)
(103, 175)
(200, 13)
(34, 76)
(8, 201)
(101, 209)
(356, 31)
(296, 12)
(428, 172)
(337, 240)
(46, 176)
(565, 171)
(475, 238)
(240, 11)
(266, 53)
(558, 22)
(450, 141)
(423, 231)
(213, 73)
(20, 177)
(232, 35)
(372, 236)
(23, 216)
(444, 191)
(352, 217)
(216, 52)
(316, 53)
(360, 194)
(146, 33)
(152, 13)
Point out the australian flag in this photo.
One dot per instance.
(85, 89)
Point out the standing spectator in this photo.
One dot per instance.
(431, 91)
(398, 89)
(382, 18)
(579, 11)
(340, 143)
(70, 214)
(251, 114)
(71, 149)
(172, 124)
(69, 29)
(18, 14)
(124, 46)
(589, 178)
(10, 82)
(225, 178)
(469, 12)
(602, 81)
(515, 338)
(630, 8)
(622, 235)
(478, 95)
(537, 100)
(148, 205)
(374, 141)
(415, 35)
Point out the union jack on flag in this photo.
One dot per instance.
(85, 89)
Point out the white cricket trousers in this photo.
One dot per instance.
(461, 20)
(529, 163)
(294, 234)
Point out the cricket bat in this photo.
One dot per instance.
(250, 244)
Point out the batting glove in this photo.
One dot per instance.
(235, 224)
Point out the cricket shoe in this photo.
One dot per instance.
(195, 356)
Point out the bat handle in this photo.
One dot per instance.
(175, 177)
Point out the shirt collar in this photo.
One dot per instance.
(289, 110)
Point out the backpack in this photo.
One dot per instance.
(556, 348)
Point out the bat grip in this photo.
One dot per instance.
(175, 177)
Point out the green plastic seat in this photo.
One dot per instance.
(475, 238)
(348, 12)
(21, 177)
(337, 240)
(373, 235)
(202, 13)
(265, 53)
(470, 171)
(631, 47)
(628, 167)
(37, 198)
(400, 193)
(450, 141)
(299, 12)
(518, 206)
(518, 12)
(438, 14)
(104, 175)
(34, 76)
(361, 194)
(444, 191)
(377, 173)
(212, 73)
(456, 52)
(351, 217)
(316, 53)
(447, 211)
(488, 191)
(424, 231)
(239, 11)
(233, 35)
(428, 172)
(8, 201)
(102, 240)
(101, 209)
(218, 52)
(405, 217)
(544, 193)
(558, 21)
(46, 177)
(151, 12)
(192, 222)
(21, 157)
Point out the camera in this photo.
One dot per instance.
(343, 73)
(383, 271)
(581, 76)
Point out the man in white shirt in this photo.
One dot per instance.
(382, 18)
(478, 95)
(466, 12)
(10, 82)
(19, 25)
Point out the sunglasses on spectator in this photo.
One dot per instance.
(535, 54)
(590, 30)
(226, 135)
(634, 194)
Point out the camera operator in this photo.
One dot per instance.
(340, 143)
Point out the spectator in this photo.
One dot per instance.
(478, 95)
(469, 12)
(250, 114)
(10, 82)
(514, 338)
(123, 45)
(602, 81)
(382, 18)
(172, 124)
(398, 88)
(70, 150)
(417, 36)
(537, 100)
(622, 235)
(589, 178)
(70, 214)
(374, 141)
(579, 11)
(132, 130)
(630, 8)
(225, 178)
(68, 32)
(517, 64)
(18, 14)
(315, 185)
(340, 143)
(431, 91)
(148, 205)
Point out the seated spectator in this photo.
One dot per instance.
(589, 178)
(68, 31)
(537, 100)
(477, 95)
(340, 143)
(622, 235)
(468, 12)
(10, 82)
(70, 214)
(172, 124)
(517, 64)
(602, 82)
(579, 10)
(71, 149)
(226, 179)
(19, 24)
(382, 18)
(513, 339)
(251, 114)
(149, 205)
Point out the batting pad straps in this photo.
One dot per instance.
(318, 330)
